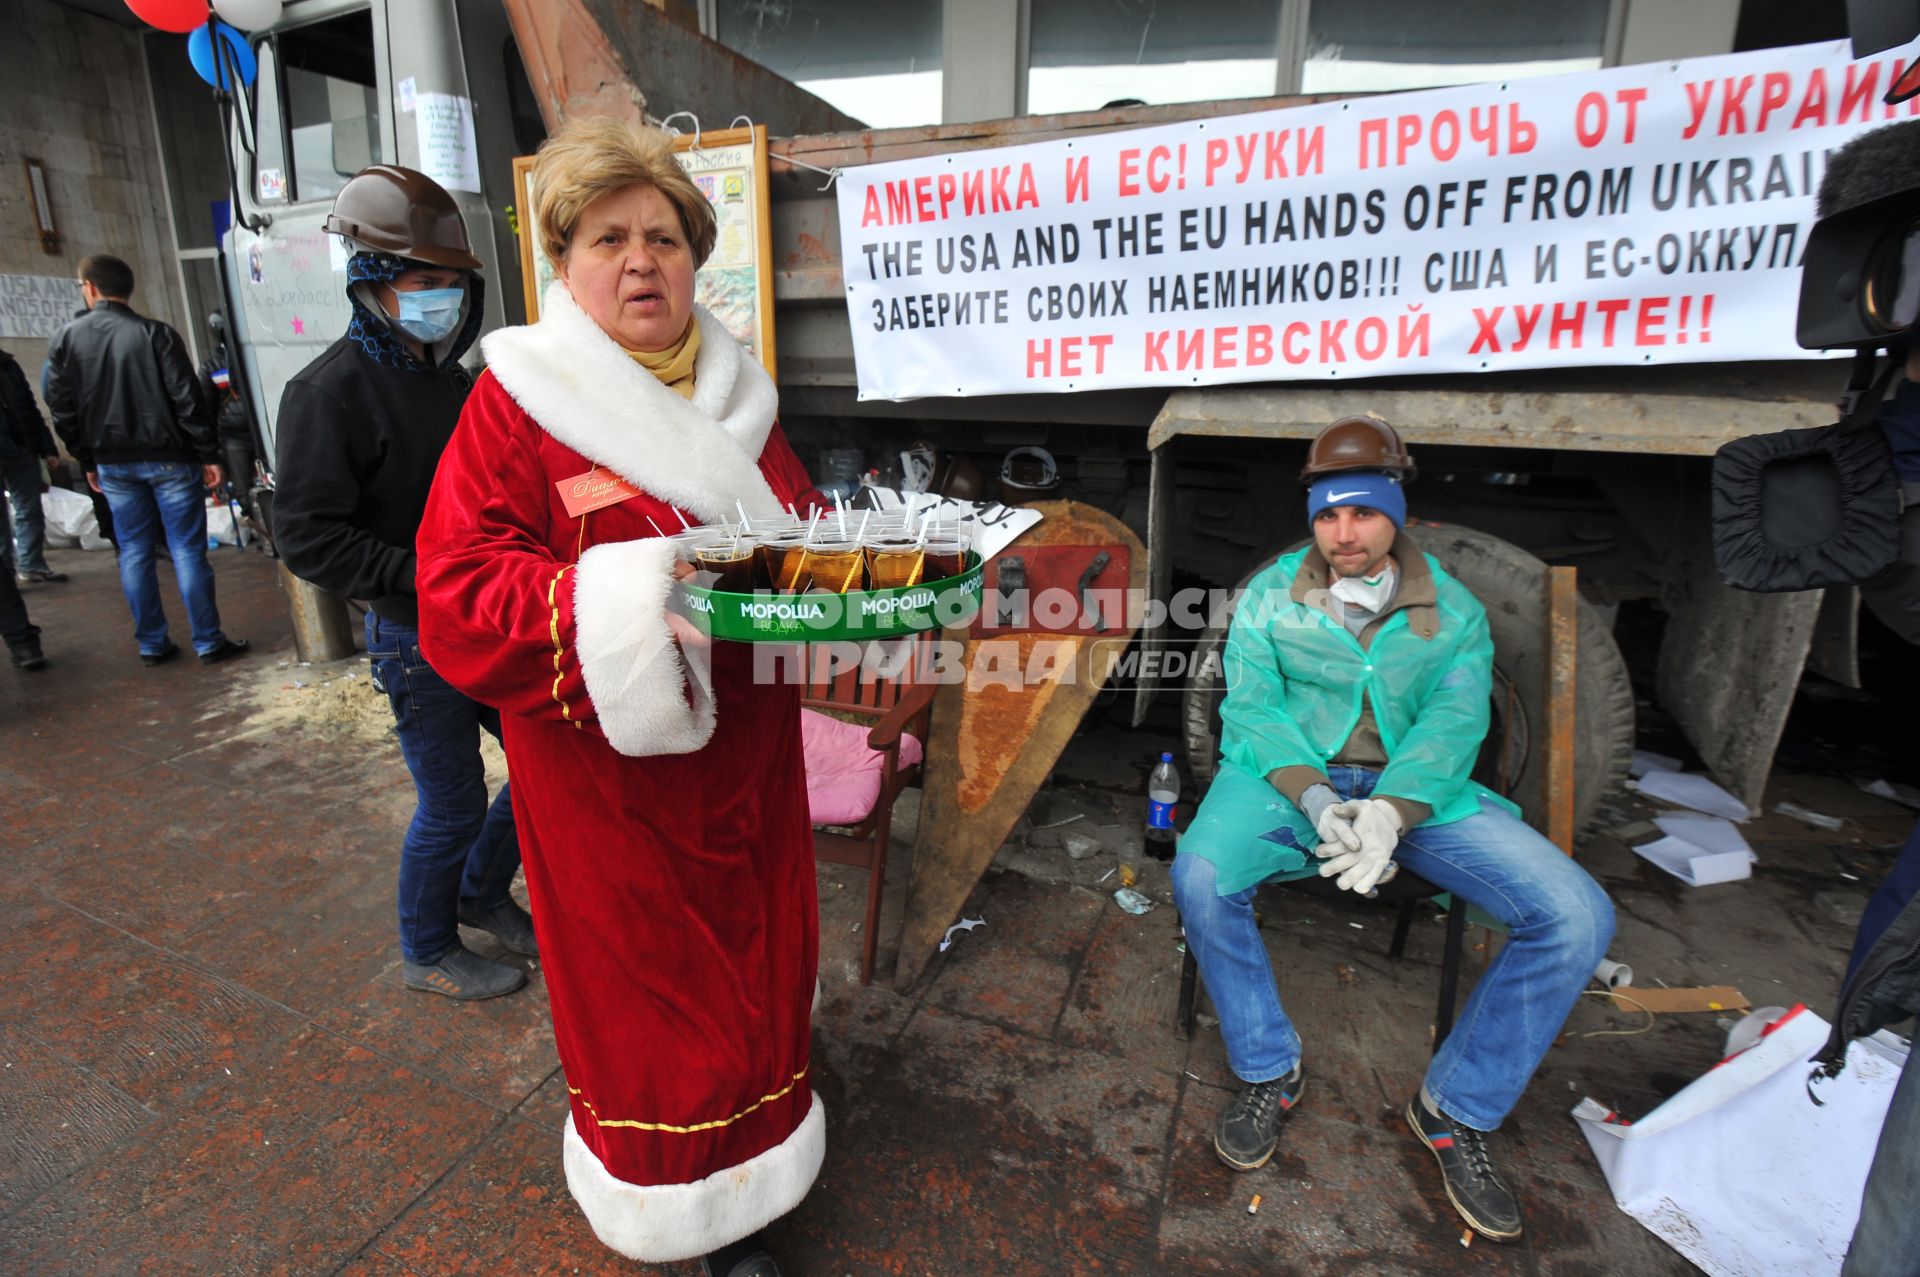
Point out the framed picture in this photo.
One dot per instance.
(736, 284)
(535, 271)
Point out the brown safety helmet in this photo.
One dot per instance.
(396, 210)
(1357, 443)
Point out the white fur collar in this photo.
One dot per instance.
(584, 390)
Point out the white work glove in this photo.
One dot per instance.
(1322, 808)
(1377, 826)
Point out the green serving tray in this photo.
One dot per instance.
(765, 617)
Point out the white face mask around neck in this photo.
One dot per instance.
(1369, 594)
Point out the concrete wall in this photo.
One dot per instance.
(74, 94)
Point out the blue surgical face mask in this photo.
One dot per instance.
(430, 314)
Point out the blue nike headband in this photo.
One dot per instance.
(1371, 488)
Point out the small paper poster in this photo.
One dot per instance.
(444, 125)
(405, 95)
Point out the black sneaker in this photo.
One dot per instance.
(508, 923)
(461, 973)
(1249, 1130)
(160, 657)
(1473, 1186)
(228, 649)
(748, 1257)
(42, 576)
(27, 654)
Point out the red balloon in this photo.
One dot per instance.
(177, 16)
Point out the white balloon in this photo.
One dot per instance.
(249, 15)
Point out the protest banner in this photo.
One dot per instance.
(1641, 215)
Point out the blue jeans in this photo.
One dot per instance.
(1886, 1241)
(458, 849)
(1558, 924)
(152, 499)
(22, 479)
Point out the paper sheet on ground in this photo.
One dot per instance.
(1645, 760)
(1708, 833)
(1693, 865)
(1689, 789)
(1741, 1172)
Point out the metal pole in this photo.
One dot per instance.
(322, 630)
(1563, 662)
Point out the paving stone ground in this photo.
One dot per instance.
(211, 1065)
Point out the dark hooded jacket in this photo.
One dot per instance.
(359, 435)
(23, 431)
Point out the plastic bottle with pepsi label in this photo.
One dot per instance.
(1163, 807)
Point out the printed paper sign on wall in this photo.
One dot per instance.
(1647, 214)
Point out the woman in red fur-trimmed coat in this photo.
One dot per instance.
(663, 823)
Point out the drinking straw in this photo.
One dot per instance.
(853, 570)
(861, 535)
(650, 523)
(841, 506)
(744, 525)
(812, 527)
(684, 525)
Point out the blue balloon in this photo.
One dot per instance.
(200, 53)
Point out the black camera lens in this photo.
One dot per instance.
(1892, 296)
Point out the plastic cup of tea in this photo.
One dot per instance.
(782, 562)
(835, 566)
(896, 562)
(946, 557)
(730, 561)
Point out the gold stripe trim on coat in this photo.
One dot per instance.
(559, 648)
(669, 1129)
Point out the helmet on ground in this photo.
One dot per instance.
(396, 210)
(1357, 443)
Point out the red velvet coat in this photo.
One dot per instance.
(664, 831)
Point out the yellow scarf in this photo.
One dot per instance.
(674, 365)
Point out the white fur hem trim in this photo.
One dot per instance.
(632, 666)
(663, 1223)
(582, 389)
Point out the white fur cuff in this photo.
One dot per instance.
(663, 1223)
(631, 664)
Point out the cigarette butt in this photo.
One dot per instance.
(1466, 1238)
(1253, 1207)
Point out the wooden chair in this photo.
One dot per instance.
(885, 691)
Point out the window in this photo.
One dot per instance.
(1084, 54)
(1374, 46)
(318, 109)
(877, 60)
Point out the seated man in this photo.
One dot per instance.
(1358, 683)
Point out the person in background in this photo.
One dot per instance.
(22, 635)
(361, 430)
(26, 447)
(102, 512)
(228, 412)
(124, 402)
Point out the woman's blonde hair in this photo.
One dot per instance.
(589, 158)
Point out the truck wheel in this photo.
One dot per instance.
(1508, 582)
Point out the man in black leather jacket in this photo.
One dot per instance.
(125, 403)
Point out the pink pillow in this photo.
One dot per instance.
(843, 774)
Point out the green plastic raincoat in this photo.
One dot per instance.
(1294, 682)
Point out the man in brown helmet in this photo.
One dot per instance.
(361, 430)
(1358, 682)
